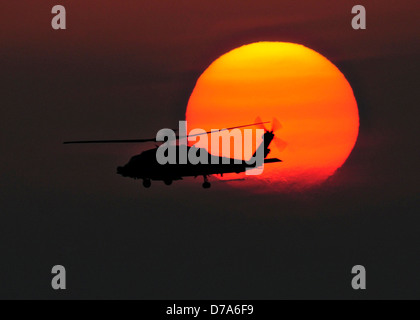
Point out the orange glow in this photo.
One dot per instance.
(301, 88)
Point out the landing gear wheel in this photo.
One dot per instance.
(206, 185)
(147, 183)
(167, 182)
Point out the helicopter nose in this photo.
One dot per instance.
(120, 170)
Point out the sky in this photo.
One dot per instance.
(125, 69)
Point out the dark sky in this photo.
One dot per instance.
(125, 69)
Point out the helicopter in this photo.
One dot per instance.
(145, 166)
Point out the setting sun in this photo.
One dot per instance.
(302, 89)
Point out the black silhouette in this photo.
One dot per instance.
(146, 167)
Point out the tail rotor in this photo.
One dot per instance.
(275, 126)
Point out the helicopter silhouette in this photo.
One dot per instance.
(146, 167)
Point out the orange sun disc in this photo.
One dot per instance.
(309, 96)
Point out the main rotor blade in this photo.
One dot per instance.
(154, 139)
(224, 129)
(111, 141)
(261, 124)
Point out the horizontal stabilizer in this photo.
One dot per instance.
(272, 160)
